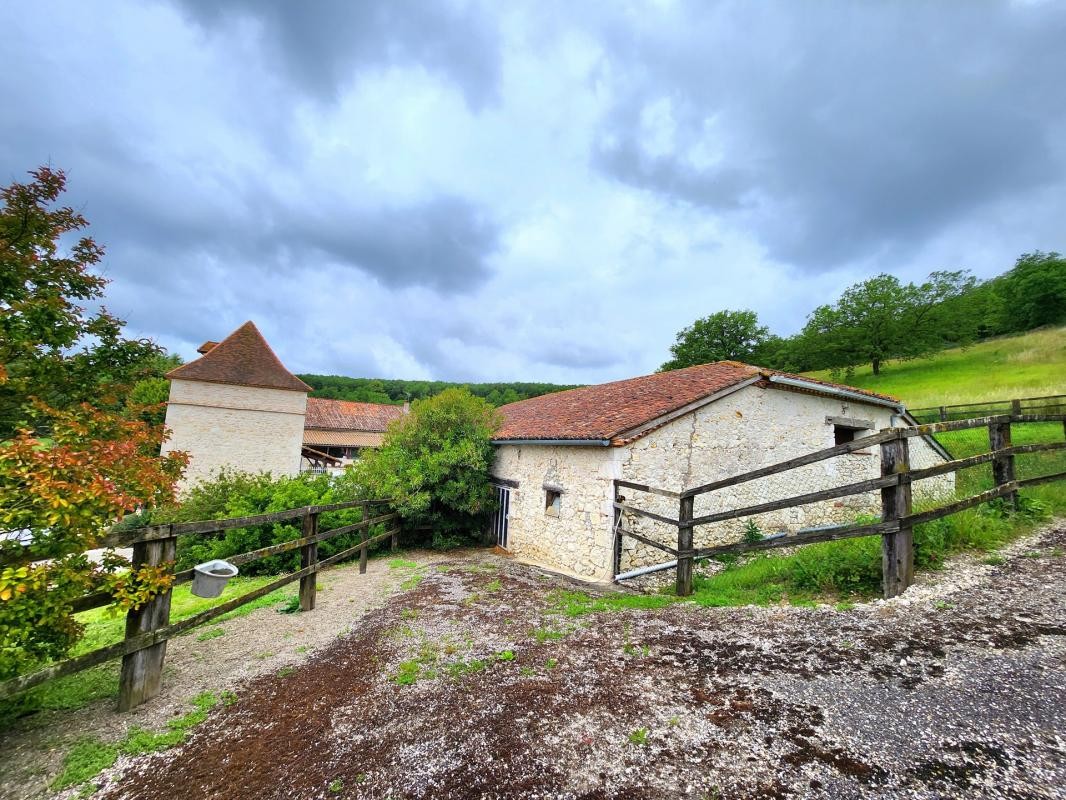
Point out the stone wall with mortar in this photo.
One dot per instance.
(577, 541)
(238, 427)
(752, 428)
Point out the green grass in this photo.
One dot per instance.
(852, 568)
(1029, 365)
(102, 628)
(576, 604)
(88, 757)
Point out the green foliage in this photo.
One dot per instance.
(1030, 365)
(89, 757)
(882, 318)
(435, 461)
(576, 604)
(1032, 294)
(84, 761)
(376, 390)
(752, 533)
(639, 736)
(722, 336)
(236, 494)
(52, 347)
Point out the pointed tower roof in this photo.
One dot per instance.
(243, 359)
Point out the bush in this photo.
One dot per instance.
(435, 461)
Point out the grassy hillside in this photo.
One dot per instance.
(1028, 365)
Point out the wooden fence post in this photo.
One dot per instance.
(364, 534)
(897, 549)
(142, 671)
(943, 414)
(309, 556)
(684, 547)
(1016, 407)
(1002, 466)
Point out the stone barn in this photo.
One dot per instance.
(558, 455)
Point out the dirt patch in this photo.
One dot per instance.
(473, 685)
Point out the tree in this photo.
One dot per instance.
(435, 461)
(1033, 293)
(723, 336)
(51, 346)
(74, 456)
(882, 318)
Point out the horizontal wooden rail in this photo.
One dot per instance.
(801, 461)
(131, 645)
(640, 512)
(647, 541)
(797, 539)
(24, 553)
(860, 487)
(640, 487)
(264, 552)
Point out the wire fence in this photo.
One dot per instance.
(1049, 404)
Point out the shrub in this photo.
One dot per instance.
(435, 461)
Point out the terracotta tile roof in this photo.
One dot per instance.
(608, 411)
(348, 415)
(243, 359)
(320, 438)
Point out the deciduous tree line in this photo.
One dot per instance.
(883, 318)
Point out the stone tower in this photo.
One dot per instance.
(237, 407)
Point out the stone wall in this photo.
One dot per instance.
(240, 427)
(752, 428)
(578, 540)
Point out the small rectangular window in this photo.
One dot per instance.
(553, 501)
(843, 435)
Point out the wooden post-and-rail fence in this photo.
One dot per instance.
(148, 628)
(894, 483)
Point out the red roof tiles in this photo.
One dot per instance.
(348, 415)
(243, 359)
(608, 411)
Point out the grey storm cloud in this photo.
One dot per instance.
(536, 190)
(842, 130)
(322, 44)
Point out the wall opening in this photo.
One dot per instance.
(553, 502)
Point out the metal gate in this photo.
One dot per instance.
(499, 520)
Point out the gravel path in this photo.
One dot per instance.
(259, 643)
(472, 685)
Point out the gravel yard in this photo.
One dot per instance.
(471, 686)
(474, 684)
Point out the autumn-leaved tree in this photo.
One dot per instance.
(75, 456)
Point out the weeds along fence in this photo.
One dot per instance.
(1037, 442)
(148, 627)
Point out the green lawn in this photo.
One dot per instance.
(1030, 365)
(101, 629)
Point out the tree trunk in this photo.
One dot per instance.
(877, 366)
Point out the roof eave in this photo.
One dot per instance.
(556, 442)
(836, 391)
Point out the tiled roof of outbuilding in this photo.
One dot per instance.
(348, 415)
(243, 359)
(610, 410)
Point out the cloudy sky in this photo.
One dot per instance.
(531, 190)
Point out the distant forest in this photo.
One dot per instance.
(396, 392)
